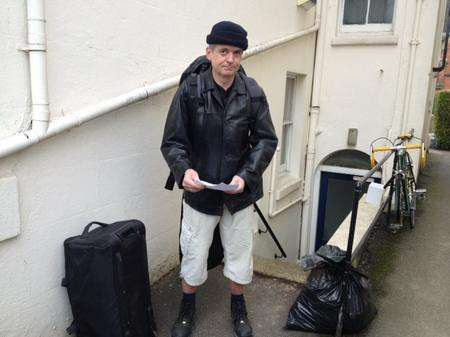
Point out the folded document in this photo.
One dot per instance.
(218, 187)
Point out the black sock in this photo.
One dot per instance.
(189, 297)
(238, 298)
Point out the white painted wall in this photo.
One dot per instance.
(111, 168)
(364, 82)
(356, 93)
(14, 96)
(271, 67)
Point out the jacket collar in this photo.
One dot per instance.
(238, 85)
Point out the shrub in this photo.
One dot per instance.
(443, 121)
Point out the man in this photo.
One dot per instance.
(218, 129)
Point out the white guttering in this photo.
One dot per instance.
(312, 134)
(21, 141)
(37, 50)
(312, 29)
(24, 140)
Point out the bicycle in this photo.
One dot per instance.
(403, 191)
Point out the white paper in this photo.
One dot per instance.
(218, 187)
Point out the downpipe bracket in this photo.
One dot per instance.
(32, 47)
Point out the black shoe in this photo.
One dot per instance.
(184, 325)
(241, 324)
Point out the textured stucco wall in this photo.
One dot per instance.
(364, 86)
(111, 168)
(101, 48)
(355, 93)
(14, 101)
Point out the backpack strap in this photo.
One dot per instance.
(255, 92)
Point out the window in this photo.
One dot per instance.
(286, 186)
(288, 124)
(367, 15)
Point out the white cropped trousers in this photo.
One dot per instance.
(236, 231)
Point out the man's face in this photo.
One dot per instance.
(225, 60)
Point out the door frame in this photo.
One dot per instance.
(316, 192)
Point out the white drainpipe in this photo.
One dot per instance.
(273, 173)
(312, 134)
(414, 43)
(37, 50)
(401, 114)
(24, 140)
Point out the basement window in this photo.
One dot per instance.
(367, 15)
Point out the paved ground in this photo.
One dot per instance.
(268, 300)
(410, 272)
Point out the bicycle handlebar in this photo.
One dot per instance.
(396, 148)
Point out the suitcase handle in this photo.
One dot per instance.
(86, 229)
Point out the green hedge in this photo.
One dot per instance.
(442, 126)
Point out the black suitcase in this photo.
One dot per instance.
(107, 281)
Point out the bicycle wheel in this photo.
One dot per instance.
(398, 199)
(404, 202)
(410, 190)
(412, 218)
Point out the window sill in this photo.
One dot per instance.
(364, 40)
(287, 185)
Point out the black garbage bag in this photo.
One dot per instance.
(326, 252)
(330, 285)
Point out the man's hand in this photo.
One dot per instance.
(237, 181)
(189, 183)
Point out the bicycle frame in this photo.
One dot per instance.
(402, 184)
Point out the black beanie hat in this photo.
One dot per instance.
(229, 33)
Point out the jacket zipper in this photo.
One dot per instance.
(221, 144)
(223, 114)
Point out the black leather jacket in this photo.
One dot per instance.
(219, 139)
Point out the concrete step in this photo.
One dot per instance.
(280, 269)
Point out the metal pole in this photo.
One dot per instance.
(356, 196)
(351, 236)
(375, 168)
